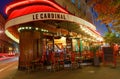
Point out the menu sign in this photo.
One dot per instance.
(108, 54)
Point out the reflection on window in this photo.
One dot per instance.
(79, 4)
(73, 1)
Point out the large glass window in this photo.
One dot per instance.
(79, 4)
(73, 1)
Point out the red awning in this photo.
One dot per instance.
(32, 9)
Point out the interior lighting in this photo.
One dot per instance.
(44, 30)
(100, 39)
(30, 27)
(63, 38)
(41, 29)
(26, 27)
(47, 31)
(36, 28)
(22, 28)
(19, 29)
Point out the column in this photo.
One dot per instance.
(29, 36)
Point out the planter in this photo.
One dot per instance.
(96, 61)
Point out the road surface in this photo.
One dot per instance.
(8, 66)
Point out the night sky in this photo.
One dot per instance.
(3, 3)
(100, 27)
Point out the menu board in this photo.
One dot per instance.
(108, 54)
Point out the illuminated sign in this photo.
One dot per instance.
(42, 16)
(47, 16)
(39, 16)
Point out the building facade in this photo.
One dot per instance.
(36, 24)
(6, 44)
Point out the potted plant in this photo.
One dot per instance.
(94, 49)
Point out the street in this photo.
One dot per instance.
(8, 66)
(8, 70)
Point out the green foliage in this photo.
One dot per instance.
(94, 48)
(112, 38)
(115, 2)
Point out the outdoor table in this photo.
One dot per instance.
(79, 61)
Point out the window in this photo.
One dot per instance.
(79, 4)
(73, 1)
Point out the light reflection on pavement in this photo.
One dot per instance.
(7, 66)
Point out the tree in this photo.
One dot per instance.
(108, 11)
(112, 38)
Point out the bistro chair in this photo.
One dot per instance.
(67, 62)
(61, 61)
(37, 64)
(54, 61)
(73, 60)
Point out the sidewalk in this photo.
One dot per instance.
(88, 72)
